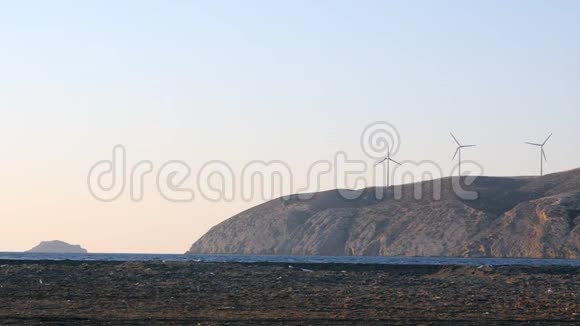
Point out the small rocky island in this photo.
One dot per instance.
(57, 247)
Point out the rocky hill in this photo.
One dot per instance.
(57, 247)
(535, 217)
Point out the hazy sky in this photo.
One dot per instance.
(237, 81)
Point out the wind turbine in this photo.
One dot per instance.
(388, 159)
(458, 151)
(542, 153)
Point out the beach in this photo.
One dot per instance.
(56, 292)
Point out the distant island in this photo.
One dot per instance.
(532, 217)
(57, 247)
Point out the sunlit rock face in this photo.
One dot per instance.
(534, 217)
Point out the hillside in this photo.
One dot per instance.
(536, 217)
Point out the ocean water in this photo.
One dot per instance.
(293, 259)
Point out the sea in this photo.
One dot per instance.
(291, 259)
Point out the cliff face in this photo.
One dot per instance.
(512, 217)
(57, 247)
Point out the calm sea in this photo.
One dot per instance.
(293, 259)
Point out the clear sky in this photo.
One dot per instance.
(237, 81)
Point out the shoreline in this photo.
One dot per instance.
(319, 265)
(281, 293)
(240, 258)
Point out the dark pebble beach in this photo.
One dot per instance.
(62, 292)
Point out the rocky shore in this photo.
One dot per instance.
(263, 294)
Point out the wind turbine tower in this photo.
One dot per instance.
(458, 151)
(388, 159)
(542, 153)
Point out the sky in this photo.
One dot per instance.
(238, 81)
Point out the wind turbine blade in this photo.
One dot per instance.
(381, 161)
(545, 141)
(457, 151)
(394, 161)
(468, 146)
(544, 155)
(456, 141)
(534, 144)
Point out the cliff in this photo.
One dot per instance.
(535, 217)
